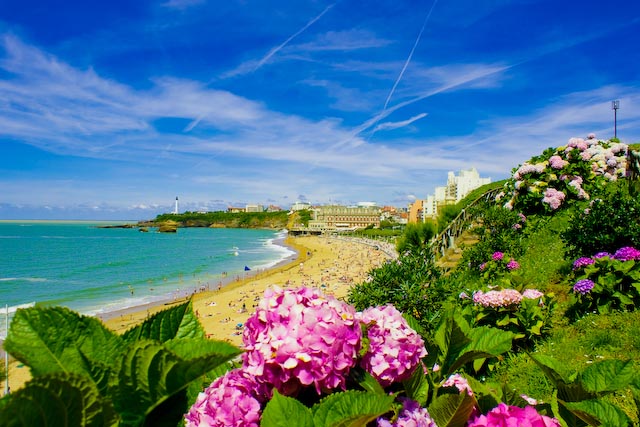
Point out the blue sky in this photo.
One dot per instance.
(109, 110)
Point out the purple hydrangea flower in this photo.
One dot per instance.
(513, 265)
(300, 337)
(483, 266)
(395, 349)
(627, 253)
(601, 255)
(583, 286)
(411, 415)
(582, 262)
(231, 400)
(510, 416)
(497, 256)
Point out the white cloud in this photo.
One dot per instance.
(397, 125)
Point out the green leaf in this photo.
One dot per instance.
(551, 368)
(452, 410)
(176, 322)
(150, 374)
(417, 386)
(351, 409)
(191, 348)
(483, 342)
(58, 400)
(283, 411)
(56, 339)
(366, 381)
(608, 376)
(598, 412)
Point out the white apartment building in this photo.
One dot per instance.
(456, 189)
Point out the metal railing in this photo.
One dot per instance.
(446, 239)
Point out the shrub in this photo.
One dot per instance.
(565, 174)
(610, 222)
(606, 282)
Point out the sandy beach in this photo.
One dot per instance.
(329, 264)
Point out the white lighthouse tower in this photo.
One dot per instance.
(175, 210)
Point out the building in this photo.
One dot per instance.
(459, 186)
(232, 209)
(456, 189)
(299, 206)
(416, 211)
(253, 208)
(337, 218)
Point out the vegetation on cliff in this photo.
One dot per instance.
(273, 220)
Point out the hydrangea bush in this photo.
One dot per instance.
(497, 266)
(568, 173)
(606, 282)
(306, 351)
(526, 314)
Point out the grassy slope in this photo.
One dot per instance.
(592, 338)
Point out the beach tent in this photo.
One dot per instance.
(246, 268)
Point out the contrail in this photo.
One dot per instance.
(300, 31)
(406, 64)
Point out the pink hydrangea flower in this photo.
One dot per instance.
(497, 256)
(459, 382)
(553, 198)
(513, 265)
(512, 416)
(496, 299)
(231, 400)
(394, 350)
(411, 415)
(532, 294)
(300, 337)
(557, 162)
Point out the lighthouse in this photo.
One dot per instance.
(175, 210)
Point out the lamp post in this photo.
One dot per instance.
(614, 106)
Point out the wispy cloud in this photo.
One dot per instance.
(254, 65)
(182, 4)
(342, 41)
(396, 125)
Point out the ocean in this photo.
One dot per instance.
(96, 271)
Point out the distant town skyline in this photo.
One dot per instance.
(108, 110)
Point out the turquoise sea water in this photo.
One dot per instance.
(95, 270)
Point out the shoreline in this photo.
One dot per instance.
(331, 265)
(224, 282)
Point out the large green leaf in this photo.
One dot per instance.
(551, 368)
(149, 374)
(608, 376)
(417, 386)
(598, 412)
(482, 342)
(366, 380)
(452, 410)
(58, 400)
(176, 322)
(283, 411)
(351, 409)
(56, 339)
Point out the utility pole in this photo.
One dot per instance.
(614, 106)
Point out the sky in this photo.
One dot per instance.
(112, 109)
